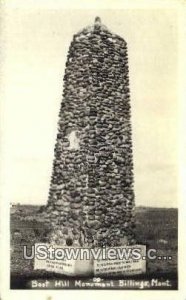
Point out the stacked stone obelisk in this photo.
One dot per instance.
(91, 196)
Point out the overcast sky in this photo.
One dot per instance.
(34, 52)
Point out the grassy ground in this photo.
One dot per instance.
(155, 227)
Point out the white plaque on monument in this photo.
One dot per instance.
(69, 267)
(128, 260)
(52, 264)
(126, 265)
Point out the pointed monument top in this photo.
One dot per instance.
(98, 20)
(97, 23)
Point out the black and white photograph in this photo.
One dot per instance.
(90, 150)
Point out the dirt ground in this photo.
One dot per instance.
(155, 227)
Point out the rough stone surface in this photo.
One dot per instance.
(91, 196)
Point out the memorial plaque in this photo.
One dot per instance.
(125, 266)
(127, 261)
(57, 265)
(63, 265)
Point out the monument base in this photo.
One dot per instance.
(97, 262)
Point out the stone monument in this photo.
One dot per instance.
(91, 197)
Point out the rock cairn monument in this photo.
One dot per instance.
(91, 197)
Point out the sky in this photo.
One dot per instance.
(35, 46)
